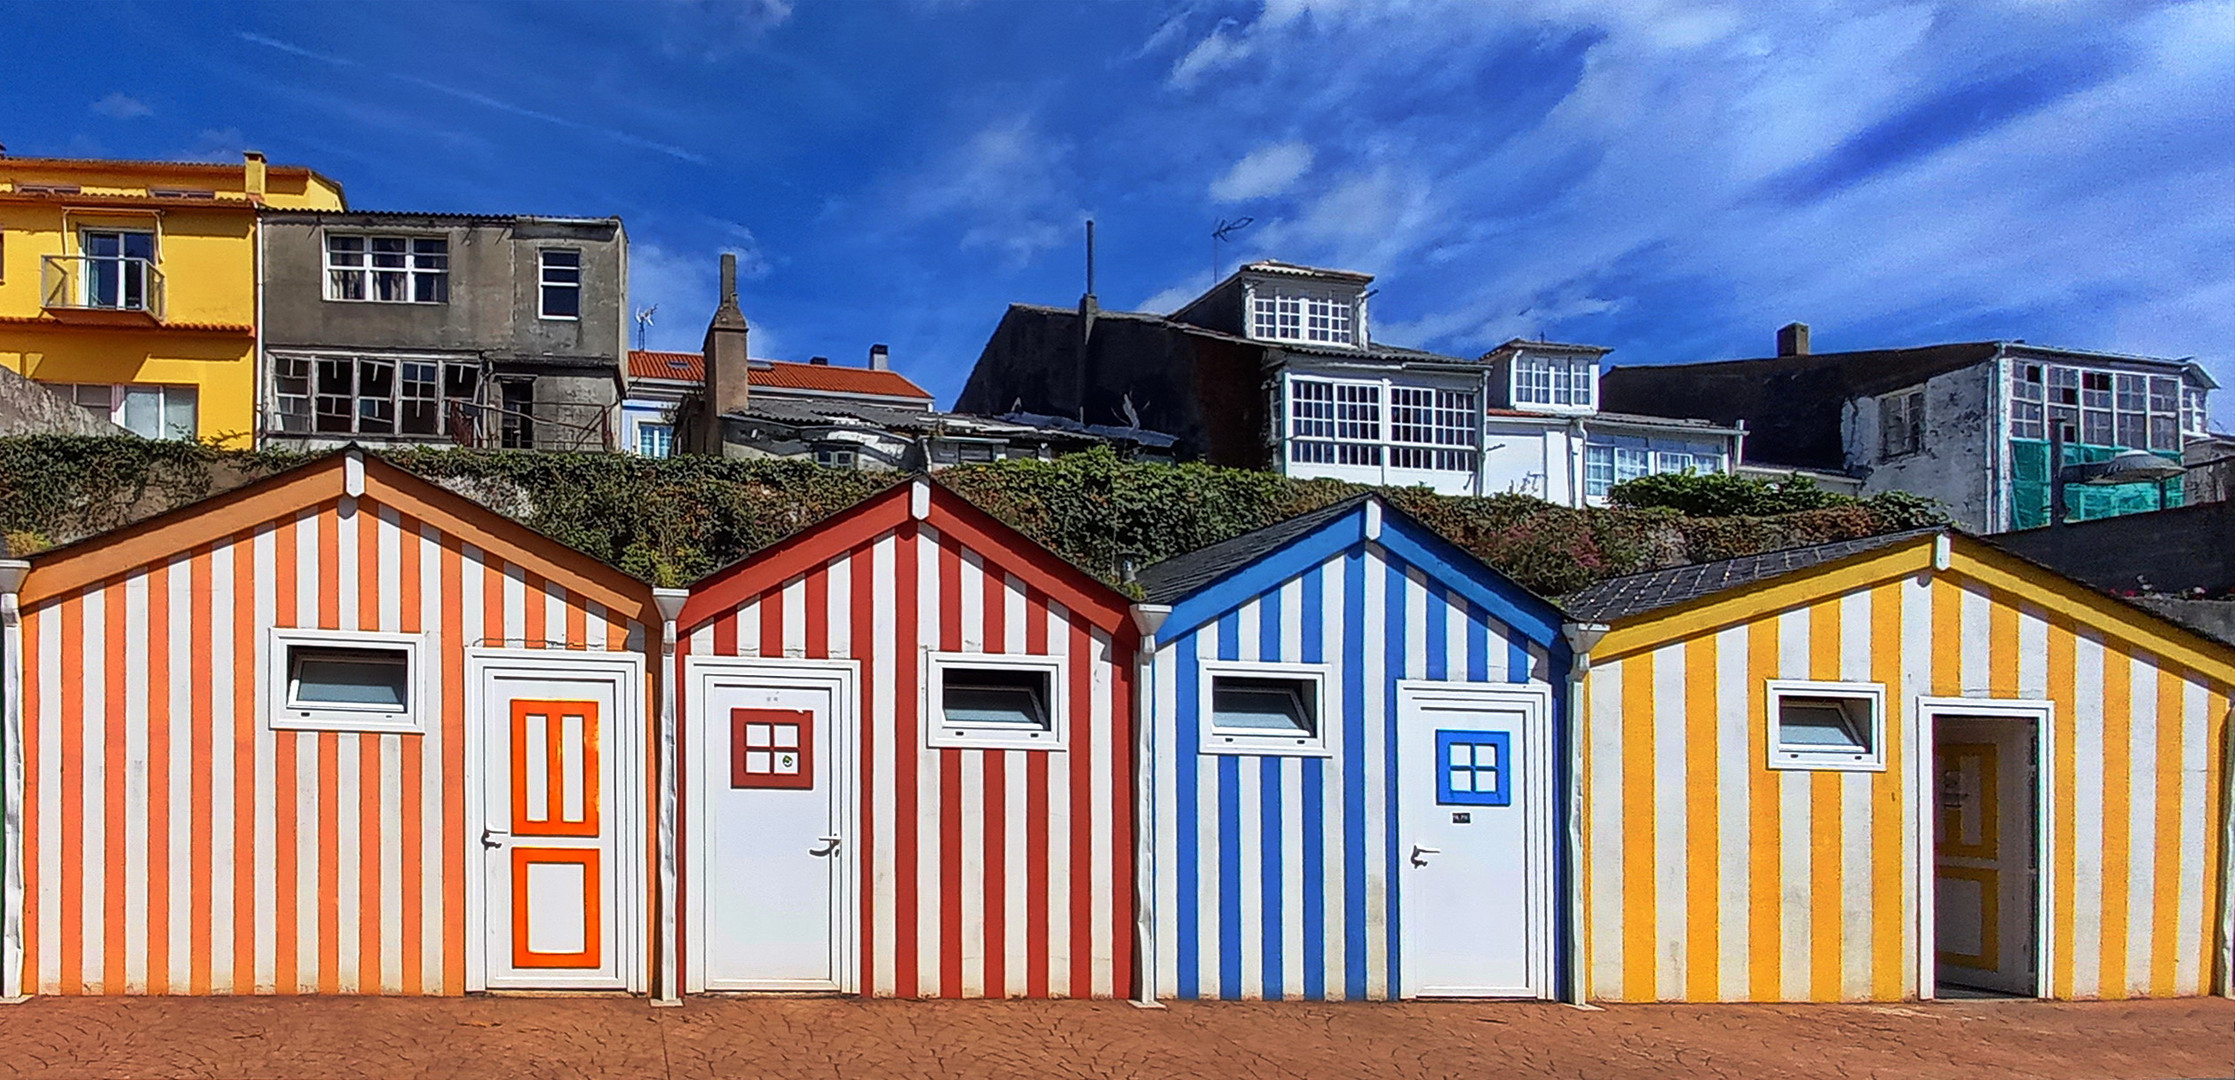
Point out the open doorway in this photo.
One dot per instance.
(1985, 807)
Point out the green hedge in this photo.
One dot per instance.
(673, 521)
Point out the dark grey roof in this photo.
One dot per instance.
(1181, 575)
(1636, 594)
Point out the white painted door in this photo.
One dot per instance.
(769, 832)
(1984, 846)
(550, 839)
(1474, 841)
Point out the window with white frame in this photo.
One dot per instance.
(1608, 464)
(116, 270)
(388, 269)
(2028, 402)
(1260, 708)
(1282, 311)
(370, 395)
(1827, 725)
(1901, 423)
(655, 440)
(994, 700)
(334, 680)
(559, 275)
(2103, 408)
(1557, 381)
(1433, 429)
(1333, 422)
(2193, 418)
(151, 412)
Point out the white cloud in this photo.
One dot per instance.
(685, 285)
(293, 49)
(1264, 172)
(1008, 186)
(121, 106)
(1219, 49)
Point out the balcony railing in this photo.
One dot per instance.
(101, 283)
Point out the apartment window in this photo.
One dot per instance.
(2028, 402)
(151, 412)
(834, 457)
(1432, 429)
(516, 424)
(655, 440)
(116, 268)
(1303, 313)
(1827, 725)
(2165, 413)
(1901, 424)
(1263, 709)
(368, 395)
(388, 269)
(326, 680)
(2193, 418)
(982, 699)
(1552, 380)
(1334, 423)
(561, 279)
(2096, 424)
(1679, 461)
(1608, 464)
(2064, 400)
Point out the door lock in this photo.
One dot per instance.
(830, 847)
(1418, 852)
(494, 838)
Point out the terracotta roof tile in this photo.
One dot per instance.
(652, 364)
(780, 375)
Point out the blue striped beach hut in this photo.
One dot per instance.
(1351, 761)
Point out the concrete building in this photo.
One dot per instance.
(1966, 423)
(1276, 368)
(389, 328)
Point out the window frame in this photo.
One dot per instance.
(283, 713)
(1305, 314)
(410, 269)
(1556, 383)
(941, 734)
(665, 433)
(544, 284)
(130, 270)
(1256, 742)
(1778, 757)
(399, 400)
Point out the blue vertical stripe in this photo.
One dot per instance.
(1269, 627)
(1439, 633)
(1269, 843)
(1517, 658)
(1315, 806)
(1478, 643)
(1354, 774)
(1393, 631)
(1562, 855)
(1229, 838)
(1187, 680)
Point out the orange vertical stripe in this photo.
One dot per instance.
(285, 939)
(2215, 810)
(245, 642)
(2165, 918)
(578, 620)
(1640, 942)
(74, 753)
(371, 824)
(35, 752)
(1889, 910)
(2118, 784)
(2063, 684)
(116, 652)
(411, 823)
(1826, 842)
(1765, 937)
(1703, 966)
(158, 900)
(329, 862)
(453, 767)
(536, 613)
(202, 620)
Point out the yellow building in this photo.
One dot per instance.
(1909, 766)
(132, 285)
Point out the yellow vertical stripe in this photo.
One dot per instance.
(1889, 913)
(2118, 753)
(1827, 850)
(2002, 643)
(2165, 923)
(2063, 683)
(2215, 812)
(1639, 947)
(1765, 945)
(1703, 943)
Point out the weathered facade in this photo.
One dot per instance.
(482, 330)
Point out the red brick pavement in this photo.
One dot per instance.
(498, 1038)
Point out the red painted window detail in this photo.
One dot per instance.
(771, 748)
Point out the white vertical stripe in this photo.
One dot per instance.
(971, 579)
(927, 884)
(1249, 840)
(2087, 813)
(1858, 864)
(1336, 905)
(1292, 882)
(1162, 765)
(263, 781)
(1016, 964)
(973, 859)
(347, 894)
(187, 668)
(838, 613)
(308, 894)
(1207, 876)
(884, 668)
(52, 754)
(1247, 622)
(2142, 840)
(1376, 766)
(795, 618)
(393, 896)
(748, 620)
(1671, 827)
(2033, 652)
(514, 629)
(2194, 833)
(433, 594)
(1796, 828)
(1735, 772)
(1607, 839)
(221, 646)
(344, 580)
(132, 641)
(1292, 621)
(93, 819)
(1919, 651)
(1975, 612)
(555, 608)
(1101, 820)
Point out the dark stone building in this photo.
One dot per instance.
(466, 329)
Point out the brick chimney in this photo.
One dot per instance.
(726, 361)
(1792, 339)
(880, 358)
(252, 174)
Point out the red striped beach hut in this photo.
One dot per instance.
(338, 731)
(908, 763)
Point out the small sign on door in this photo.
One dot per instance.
(771, 748)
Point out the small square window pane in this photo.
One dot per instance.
(995, 697)
(1820, 724)
(1486, 755)
(756, 735)
(1462, 754)
(1277, 706)
(1462, 779)
(143, 411)
(787, 763)
(356, 677)
(787, 735)
(758, 761)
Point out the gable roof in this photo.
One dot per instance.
(1636, 594)
(1203, 585)
(779, 375)
(96, 558)
(918, 499)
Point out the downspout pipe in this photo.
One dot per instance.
(1582, 637)
(1147, 618)
(12, 575)
(668, 989)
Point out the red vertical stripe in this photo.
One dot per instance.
(453, 766)
(861, 587)
(1124, 972)
(535, 614)
(1036, 822)
(1083, 733)
(950, 788)
(725, 634)
(245, 642)
(411, 780)
(772, 622)
(73, 752)
(284, 783)
(818, 612)
(906, 673)
(116, 653)
(36, 751)
(996, 885)
(158, 899)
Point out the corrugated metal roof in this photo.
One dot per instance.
(1636, 594)
(1181, 575)
(780, 375)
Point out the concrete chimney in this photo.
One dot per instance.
(819, 361)
(880, 358)
(1792, 339)
(253, 170)
(726, 361)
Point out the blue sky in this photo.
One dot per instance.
(1670, 178)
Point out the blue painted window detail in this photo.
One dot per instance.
(1474, 768)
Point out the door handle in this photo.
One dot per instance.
(494, 838)
(830, 846)
(1418, 851)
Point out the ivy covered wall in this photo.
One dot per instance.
(672, 521)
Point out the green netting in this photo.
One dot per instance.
(2029, 486)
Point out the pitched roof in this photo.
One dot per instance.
(1636, 594)
(1182, 575)
(779, 375)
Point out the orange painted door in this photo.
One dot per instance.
(548, 837)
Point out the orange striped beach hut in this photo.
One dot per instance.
(1903, 767)
(338, 731)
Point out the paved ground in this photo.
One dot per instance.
(496, 1038)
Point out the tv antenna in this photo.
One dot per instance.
(1223, 232)
(643, 323)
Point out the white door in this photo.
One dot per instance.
(1984, 843)
(552, 806)
(1474, 836)
(770, 877)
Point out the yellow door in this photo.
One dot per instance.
(1983, 854)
